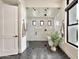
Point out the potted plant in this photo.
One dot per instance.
(55, 38)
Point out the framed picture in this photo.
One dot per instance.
(41, 23)
(34, 22)
(49, 23)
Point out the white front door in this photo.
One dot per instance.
(9, 30)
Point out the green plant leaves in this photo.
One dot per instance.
(56, 38)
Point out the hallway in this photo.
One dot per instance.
(36, 51)
(39, 29)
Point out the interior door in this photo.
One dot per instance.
(9, 28)
(1, 30)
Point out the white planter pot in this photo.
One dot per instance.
(53, 48)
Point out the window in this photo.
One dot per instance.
(72, 23)
(73, 15)
(73, 34)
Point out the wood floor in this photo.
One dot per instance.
(39, 51)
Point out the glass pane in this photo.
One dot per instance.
(73, 34)
(73, 15)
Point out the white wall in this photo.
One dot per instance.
(1, 17)
(70, 50)
(22, 16)
(41, 34)
(38, 33)
(57, 21)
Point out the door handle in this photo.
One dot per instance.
(15, 36)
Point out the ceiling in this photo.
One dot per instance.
(12, 2)
(43, 3)
(37, 3)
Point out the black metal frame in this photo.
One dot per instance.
(73, 3)
(67, 2)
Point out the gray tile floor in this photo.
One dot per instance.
(39, 51)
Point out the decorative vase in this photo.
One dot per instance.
(53, 48)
